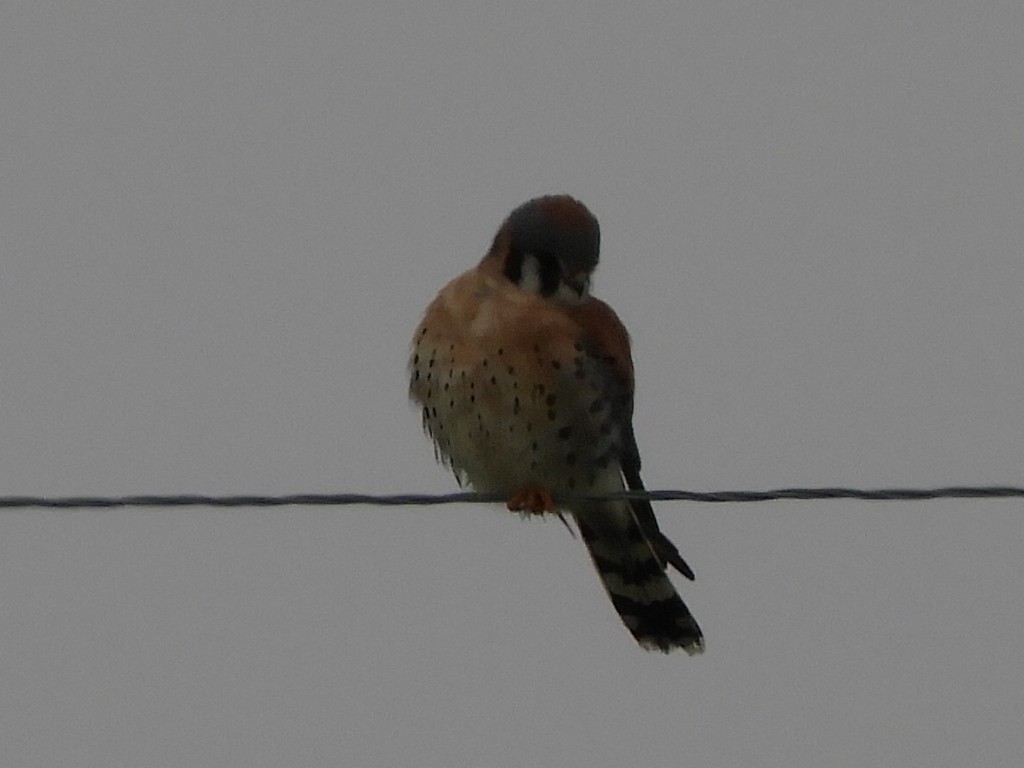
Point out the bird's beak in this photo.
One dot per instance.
(579, 283)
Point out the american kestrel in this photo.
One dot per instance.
(526, 387)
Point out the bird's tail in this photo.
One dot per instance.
(636, 581)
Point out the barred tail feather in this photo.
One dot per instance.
(636, 582)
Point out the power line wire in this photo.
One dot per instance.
(421, 499)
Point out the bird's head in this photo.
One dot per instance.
(549, 246)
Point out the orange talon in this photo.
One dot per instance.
(536, 501)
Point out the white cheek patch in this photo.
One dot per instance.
(529, 277)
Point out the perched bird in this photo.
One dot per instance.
(526, 387)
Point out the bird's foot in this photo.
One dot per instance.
(534, 501)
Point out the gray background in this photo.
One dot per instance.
(219, 224)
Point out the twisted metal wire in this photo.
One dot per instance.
(421, 499)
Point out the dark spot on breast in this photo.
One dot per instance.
(511, 370)
(416, 375)
(578, 347)
(556, 365)
(597, 406)
(472, 398)
(564, 432)
(515, 406)
(533, 446)
(550, 400)
(416, 359)
(501, 351)
(494, 379)
(540, 389)
(570, 459)
(484, 362)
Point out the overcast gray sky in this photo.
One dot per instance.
(219, 224)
